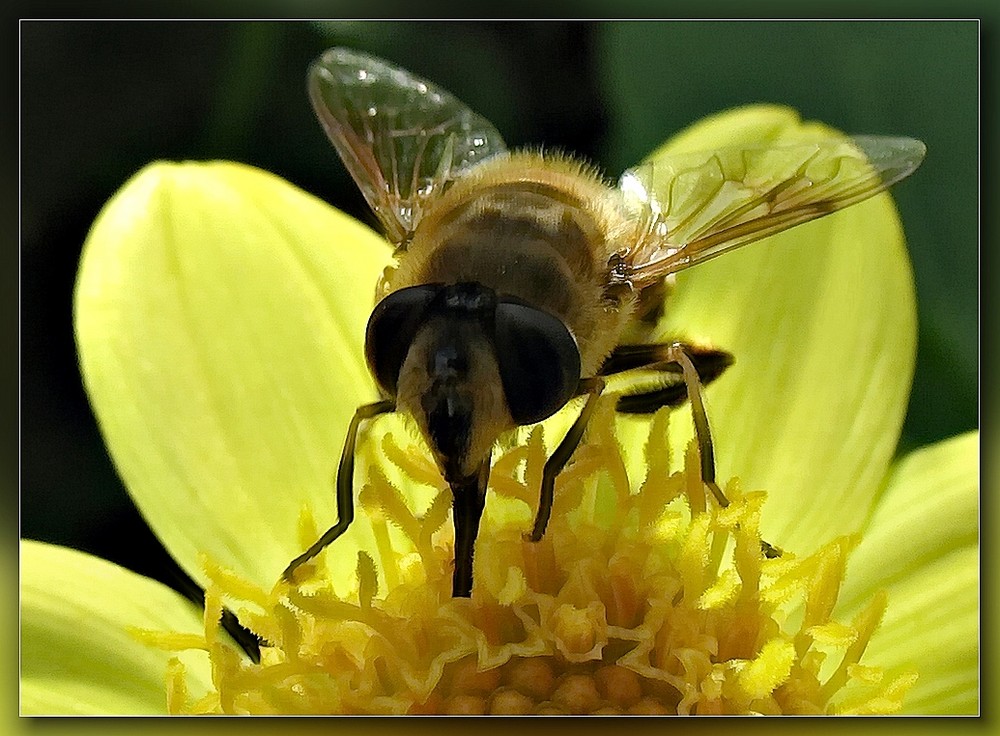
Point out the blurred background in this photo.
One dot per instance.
(101, 99)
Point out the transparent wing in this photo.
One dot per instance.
(402, 138)
(696, 206)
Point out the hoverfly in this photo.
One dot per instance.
(517, 273)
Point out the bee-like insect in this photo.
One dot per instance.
(516, 274)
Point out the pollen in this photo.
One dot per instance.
(643, 597)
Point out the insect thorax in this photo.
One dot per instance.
(534, 239)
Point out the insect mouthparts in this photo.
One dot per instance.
(449, 421)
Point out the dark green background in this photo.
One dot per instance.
(99, 100)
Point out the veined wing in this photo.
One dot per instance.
(696, 206)
(402, 138)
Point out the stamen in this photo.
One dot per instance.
(367, 580)
(647, 599)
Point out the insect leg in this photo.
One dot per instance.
(246, 639)
(697, 367)
(555, 464)
(710, 363)
(345, 485)
(702, 433)
(468, 501)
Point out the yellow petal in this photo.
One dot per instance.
(77, 655)
(220, 317)
(929, 508)
(922, 546)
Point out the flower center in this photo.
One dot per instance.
(637, 600)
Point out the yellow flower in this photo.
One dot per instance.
(220, 316)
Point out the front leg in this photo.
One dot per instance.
(554, 465)
(345, 485)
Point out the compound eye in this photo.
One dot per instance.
(538, 359)
(391, 329)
